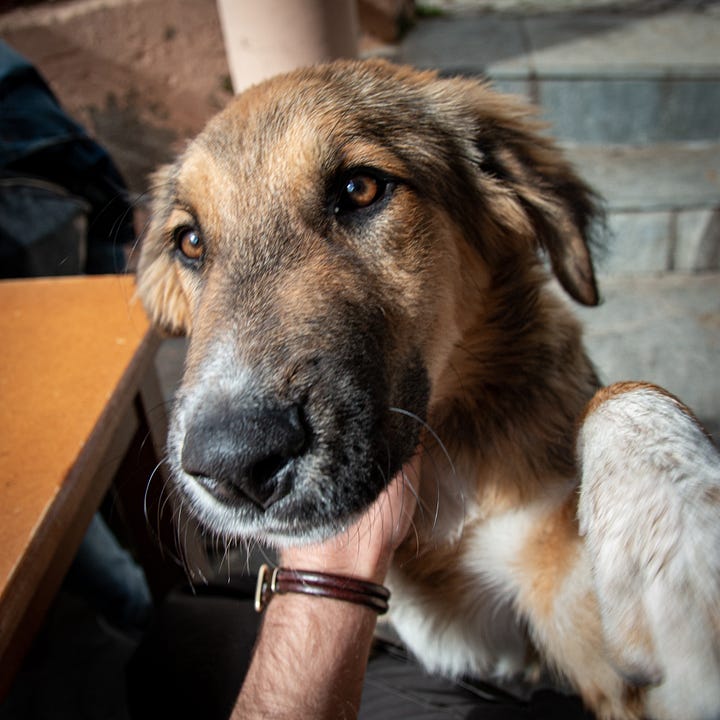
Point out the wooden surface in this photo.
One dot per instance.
(75, 352)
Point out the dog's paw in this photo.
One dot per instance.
(650, 512)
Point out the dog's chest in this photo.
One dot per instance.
(455, 606)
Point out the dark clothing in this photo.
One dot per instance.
(64, 206)
(192, 662)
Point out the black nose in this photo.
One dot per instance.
(244, 450)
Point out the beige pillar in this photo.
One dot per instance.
(267, 37)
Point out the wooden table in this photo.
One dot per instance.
(77, 384)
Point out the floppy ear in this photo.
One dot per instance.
(528, 169)
(158, 282)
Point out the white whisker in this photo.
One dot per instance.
(147, 490)
(413, 525)
(427, 427)
(441, 445)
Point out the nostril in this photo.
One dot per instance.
(245, 451)
(269, 467)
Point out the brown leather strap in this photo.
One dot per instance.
(308, 582)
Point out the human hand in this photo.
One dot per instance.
(366, 548)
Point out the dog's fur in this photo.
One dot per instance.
(334, 326)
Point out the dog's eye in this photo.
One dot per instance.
(360, 191)
(190, 244)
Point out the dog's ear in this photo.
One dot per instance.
(524, 168)
(158, 283)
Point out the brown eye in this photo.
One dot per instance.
(360, 191)
(190, 244)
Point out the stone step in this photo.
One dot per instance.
(664, 330)
(662, 202)
(667, 176)
(598, 77)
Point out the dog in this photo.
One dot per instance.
(366, 257)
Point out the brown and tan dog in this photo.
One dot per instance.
(357, 252)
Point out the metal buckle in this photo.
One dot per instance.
(263, 589)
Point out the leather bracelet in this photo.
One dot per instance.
(308, 582)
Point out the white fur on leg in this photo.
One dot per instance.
(650, 510)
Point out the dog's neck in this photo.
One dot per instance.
(508, 402)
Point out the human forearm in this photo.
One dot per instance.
(303, 639)
(312, 651)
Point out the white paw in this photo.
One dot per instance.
(650, 512)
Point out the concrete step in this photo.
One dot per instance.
(662, 202)
(664, 330)
(667, 176)
(633, 97)
(599, 77)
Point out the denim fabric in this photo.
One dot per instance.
(39, 141)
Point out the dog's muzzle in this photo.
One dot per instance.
(293, 450)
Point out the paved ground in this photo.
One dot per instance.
(662, 329)
(143, 76)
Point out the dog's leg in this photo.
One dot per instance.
(650, 511)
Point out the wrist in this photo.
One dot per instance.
(299, 581)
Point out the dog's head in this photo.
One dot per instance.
(317, 241)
